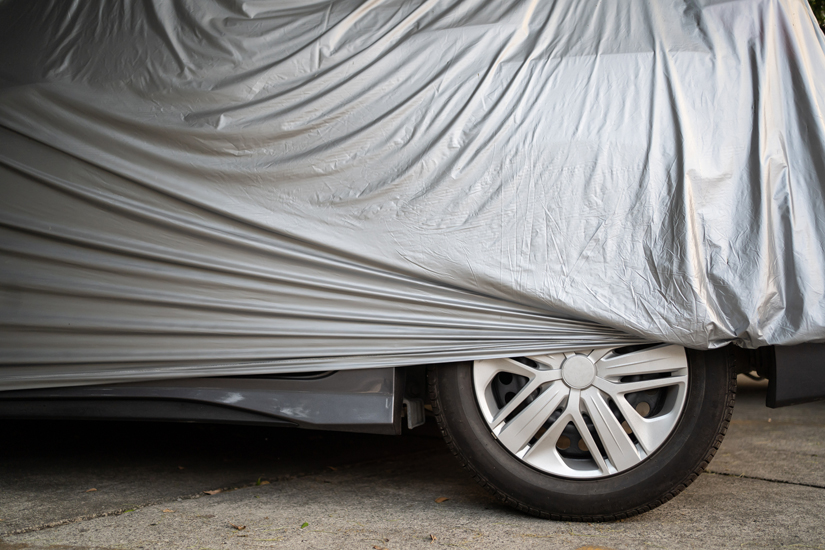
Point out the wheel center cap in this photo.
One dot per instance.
(578, 371)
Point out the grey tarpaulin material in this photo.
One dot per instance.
(200, 188)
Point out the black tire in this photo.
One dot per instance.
(654, 481)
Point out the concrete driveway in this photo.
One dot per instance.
(143, 485)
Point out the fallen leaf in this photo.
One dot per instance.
(168, 511)
(333, 468)
(264, 482)
(238, 527)
(213, 492)
(439, 500)
(379, 547)
(304, 524)
(432, 539)
(181, 468)
(92, 490)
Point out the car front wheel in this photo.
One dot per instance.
(591, 435)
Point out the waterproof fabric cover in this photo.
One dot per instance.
(197, 188)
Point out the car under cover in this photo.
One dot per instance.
(199, 188)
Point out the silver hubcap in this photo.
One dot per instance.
(619, 404)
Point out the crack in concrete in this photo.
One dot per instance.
(786, 482)
(78, 519)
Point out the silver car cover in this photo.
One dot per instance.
(200, 188)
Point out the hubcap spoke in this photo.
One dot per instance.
(650, 432)
(519, 431)
(597, 354)
(615, 389)
(553, 361)
(620, 449)
(515, 402)
(584, 432)
(484, 371)
(483, 374)
(648, 361)
(545, 447)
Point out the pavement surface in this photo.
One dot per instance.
(142, 486)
